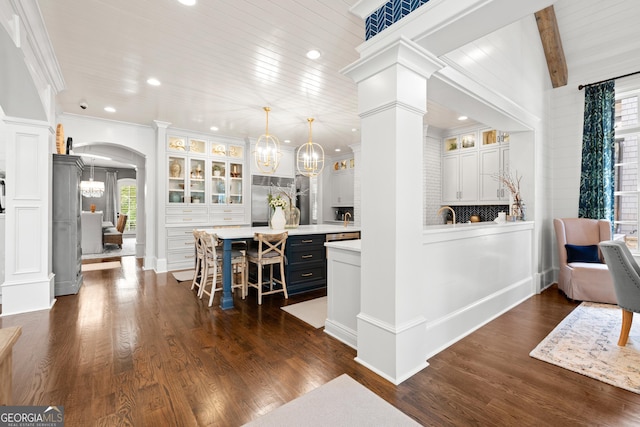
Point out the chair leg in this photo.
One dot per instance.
(195, 275)
(203, 278)
(213, 284)
(259, 284)
(243, 277)
(282, 279)
(627, 319)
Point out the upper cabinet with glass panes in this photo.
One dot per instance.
(220, 149)
(460, 142)
(491, 137)
(184, 145)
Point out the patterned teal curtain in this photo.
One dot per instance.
(596, 178)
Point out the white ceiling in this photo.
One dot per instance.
(220, 62)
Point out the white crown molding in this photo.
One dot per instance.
(403, 51)
(364, 8)
(38, 50)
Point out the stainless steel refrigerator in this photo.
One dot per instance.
(262, 186)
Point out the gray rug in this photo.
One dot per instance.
(112, 251)
(313, 312)
(183, 276)
(340, 402)
(586, 342)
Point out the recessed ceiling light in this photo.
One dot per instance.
(337, 149)
(313, 54)
(188, 2)
(109, 109)
(153, 81)
(354, 130)
(287, 141)
(214, 128)
(463, 118)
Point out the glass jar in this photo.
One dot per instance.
(292, 217)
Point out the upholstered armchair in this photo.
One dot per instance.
(583, 274)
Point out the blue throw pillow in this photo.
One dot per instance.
(576, 253)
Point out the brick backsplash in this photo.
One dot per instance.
(486, 212)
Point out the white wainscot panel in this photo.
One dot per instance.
(472, 276)
(28, 228)
(27, 181)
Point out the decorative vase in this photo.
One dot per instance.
(60, 144)
(517, 211)
(292, 217)
(278, 220)
(175, 169)
(92, 207)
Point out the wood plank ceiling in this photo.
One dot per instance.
(220, 61)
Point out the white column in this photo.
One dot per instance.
(160, 243)
(357, 200)
(392, 99)
(29, 284)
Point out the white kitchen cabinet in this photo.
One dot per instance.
(460, 177)
(492, 162)
(342, 188)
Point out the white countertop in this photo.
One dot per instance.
(473, 225)
(248, 232)
(347, 245)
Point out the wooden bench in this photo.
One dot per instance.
(113, 235)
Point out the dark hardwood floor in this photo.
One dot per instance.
(136, 348)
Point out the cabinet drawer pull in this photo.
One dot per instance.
(186, 219)
(307, 241)
(227, 210)
(187, 211)
(307, 274)
(307, 256)
(188, 232)
(189, 256)
(189, 243)
(228, 219)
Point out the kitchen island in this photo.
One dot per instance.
(469, 275)
(306, 267)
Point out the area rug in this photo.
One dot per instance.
(101, 266)
(113, 251)
(341, 402)
(184, 276)
(313, 312)
(586, 342)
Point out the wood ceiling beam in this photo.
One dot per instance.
(552, 45)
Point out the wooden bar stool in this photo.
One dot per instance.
(269, 251)
(197, 275)
(212, 267)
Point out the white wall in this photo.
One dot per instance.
(507, 70)
(92, 135)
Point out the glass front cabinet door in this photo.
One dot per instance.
(177, 181)
(218, 182)
(197, 181)
(227, 173)
(235, 182)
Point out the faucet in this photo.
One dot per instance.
(452, 212)
(347, 215)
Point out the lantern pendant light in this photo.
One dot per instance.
(310, 156)
(267, 152)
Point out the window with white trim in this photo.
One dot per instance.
(627, 190)
(128, 203)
